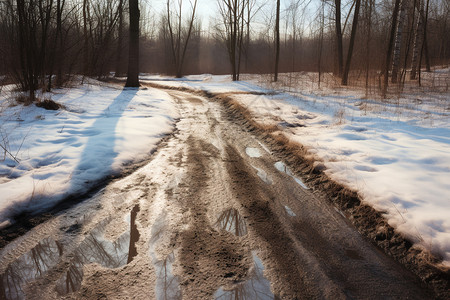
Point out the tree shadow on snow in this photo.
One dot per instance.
(98, 155)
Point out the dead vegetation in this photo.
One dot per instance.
(49, 104)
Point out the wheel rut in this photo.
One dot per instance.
(211, 216)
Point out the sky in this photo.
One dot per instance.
(207, 9)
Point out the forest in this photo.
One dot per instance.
(371, 43)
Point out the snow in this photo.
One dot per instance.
(253, 152)
(394, 152)
(101, 130)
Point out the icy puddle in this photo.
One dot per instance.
(263, 175)
(47, 255)
(255, 287)
(167, 284)
(253, 152)
(290, 211)
(283, 168)
(231, 221)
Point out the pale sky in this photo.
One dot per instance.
(208, 8)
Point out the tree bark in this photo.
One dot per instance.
(119, 56)
(352, 42)
(398, 41)
(369, 34)
(417, 41)
(133, 55)
(340, 51)
(277, 41)
(390, 46)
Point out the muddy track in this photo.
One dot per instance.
(369, 222)
(214, 215)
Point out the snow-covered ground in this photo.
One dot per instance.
(395, 153)
(59, 153)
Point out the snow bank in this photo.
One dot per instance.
(67, 151)
(396, 154)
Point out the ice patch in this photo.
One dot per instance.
(253, 152)
(264, 147)
(290, 211)
(256, 287)
(263, 175)
(284, 169)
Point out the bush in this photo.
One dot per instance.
(48, 104)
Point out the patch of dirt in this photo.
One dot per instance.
(49, 104)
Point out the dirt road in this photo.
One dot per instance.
(213, 215)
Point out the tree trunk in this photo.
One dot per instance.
(86, 39)
(340, 51)
(133, 55)
(352, 42)
(119, 69)
(277, 41)
(417, 41)
(322, 25)
(369, 33)
(390, 46)
(425, 42)
(398, 41)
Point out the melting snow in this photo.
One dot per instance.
(253, 152)
(395, 153)
(67, 151)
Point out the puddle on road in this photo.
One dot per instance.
(231, 221)
(253, 152)
(290, 211)
(264, 147)
(47, 254)
(29, 267)
(255, 287)
(283, 168)
(167, 284)
(263, 175)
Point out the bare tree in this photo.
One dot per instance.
(398, 41)
(368, 20)
(179, 35)
(277, 41)
(338, 28)
(120, 34)
(232, 13)
(390, 46)
(321, 29)
(417, 41)
(352, 42)
(133, 51)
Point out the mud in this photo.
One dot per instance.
(198, 221)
